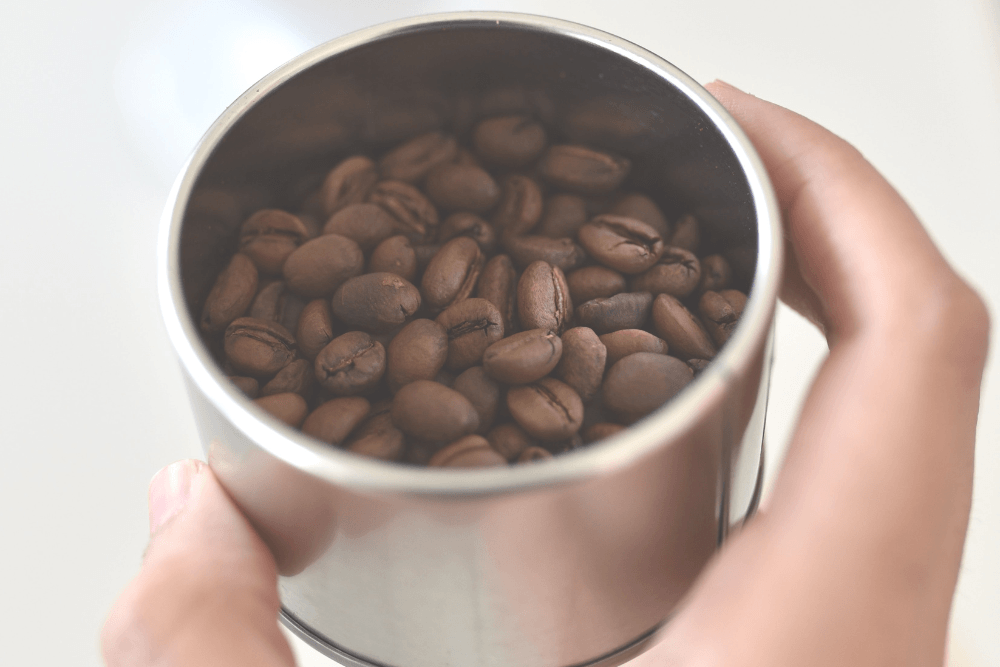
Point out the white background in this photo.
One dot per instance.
(102, 100)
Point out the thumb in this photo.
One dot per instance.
(207, 591)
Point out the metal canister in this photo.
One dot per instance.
(572, 561)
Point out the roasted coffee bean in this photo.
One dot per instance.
(562, 253)
(376, 302)
(509, 440)
(573, 442)
(289, 408)
(415, 215)
(698, 365)
(641, 207)
(269, 236)
(412, 160)
(683, 332)
(628, 310)
(562, 216)
(686, 234)
(509, 141)
(642, 382)
(620, 243)
(351, 364)
(472, 326)
(583, 170)
(277, 304)
(583, 361)
(594, 282)
(350, 182)
(394, 255)
(624, 342)
(322, 265)
(315, 329)
(720, 311)
(297, 377)
(715, 274)
(498, 285)
(532, 454)
(365, 224)
(452, 273)
(231, 295)
(676, 273)
(472, 451)
(523, 357)
(258, 348)
(600, 431)
(457, 187)
(417, 352)
(247, 385)
(432, 412)
(333, 421)
(548, 410)
(377, 438)
(471, 225)
(520, 206)
(543, 300)
(418, 452)
(482, 391)
(424, 253)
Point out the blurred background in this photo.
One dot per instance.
(104, 100)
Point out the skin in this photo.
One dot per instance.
(855, 559)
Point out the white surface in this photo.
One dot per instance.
(102, 101)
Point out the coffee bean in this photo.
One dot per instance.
(269, 236)
(365, 224)
(432, 412)
(277, 304)
(720, 311)
(350, 364)
(600, 431)
(247, 385)
(456, 187)
(543, 300)
(394, 255)
(686, 234)
(520, 206)
(715, 274)
(641, 207)
(350, 182)
(548, 410)
(472, 326)
(640, 383)
(424, 253)
(498, 285)
(509, 141)
(583, 170)
(417, 352)
(452, 273)
(482, 391)
(683, 332)
(376, 302)
(583, 361)
(509, 440)
(532, 454)
(562, 253)
(258, 348)
(562, 216)
(289, 408)
(472, 451)
(628, 310)
(377, 438)
(676, 273)
(620, 243)
(412, 160)
(231, 295)
(523, 357)
(315, 328)
(698, 365)
(321, 265)
(471, 225)
(624, 342)
(297, 377)
(333, 421)
(415, 216)
(594, 282)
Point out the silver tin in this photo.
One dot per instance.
(568, 562)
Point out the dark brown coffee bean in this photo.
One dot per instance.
(523, 357)
(624, 342)
(277, 304)
(365, 224)
(472, 451)
(470, 225)
(412, 160)
(472, 326)
(676, 273)
(322, 265)
(269, 236)
(698, 365)
(720, 311)
(509, 141)
(376, 302)
(247, 385)
(543, 300)
(594, 282)
(548, 410)
(520, 206)
(623, 244)
(297, 377)
(289, 408)
(498, 285)
(562, 253)
(231, 295)
(351, 364)
(641, 207)
(683, 332)
(417, 352)
(583, 361)
(562, 216)
(482, 391)
(509, 440)
(574, 442)
(315, 329)
(532, 454)
(415, 215)
(628, 310)
(377, 438)
(452, 274)
(333, 421)
(582, 170)
(258, 348)
(600, 431)
(686, 234)
(715, 274)
(642, 382)
(394, 255)
(350, 182)
(456, 187)
(432, 412)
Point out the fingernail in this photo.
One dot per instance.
(169, 491)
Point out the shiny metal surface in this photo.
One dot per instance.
(548, 565)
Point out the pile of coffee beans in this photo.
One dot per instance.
(469, 305)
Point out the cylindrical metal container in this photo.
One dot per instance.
(567, 562)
